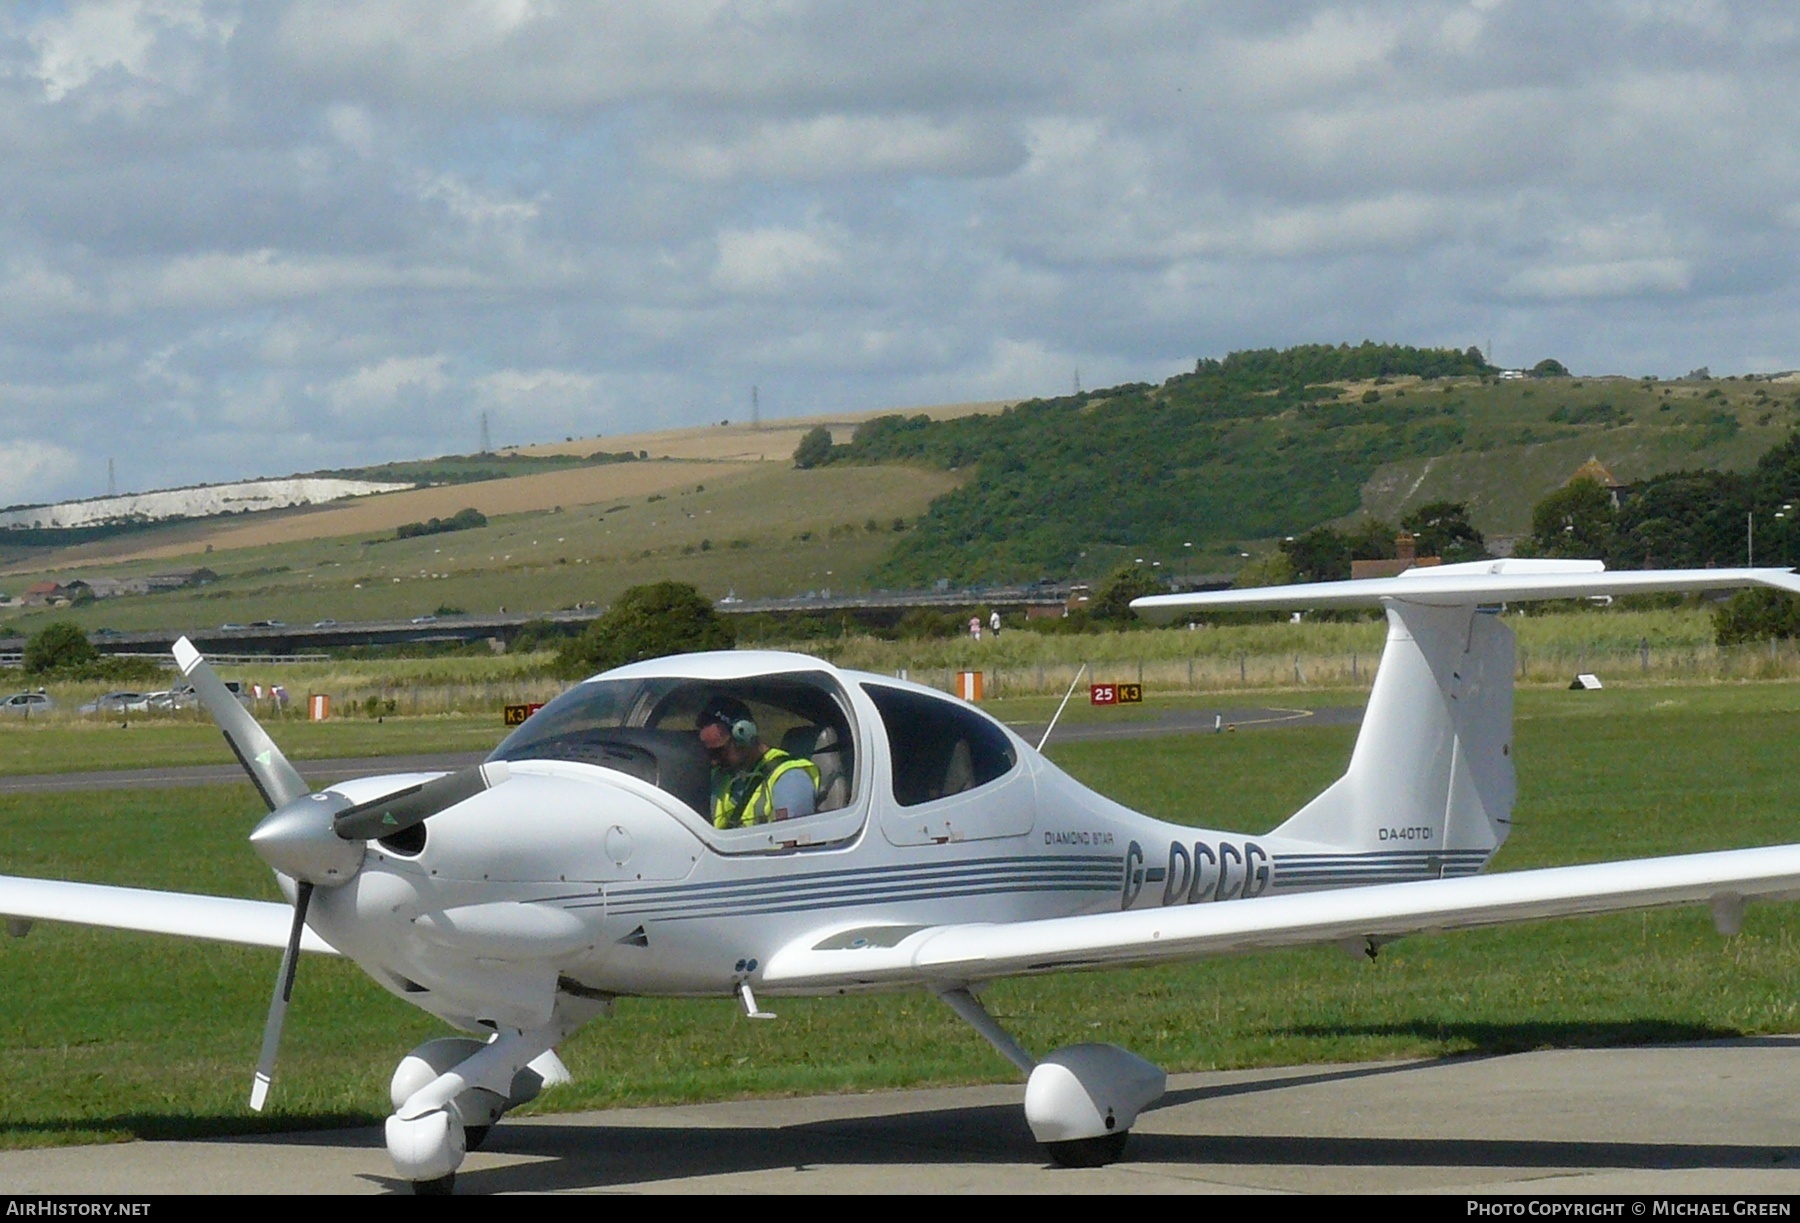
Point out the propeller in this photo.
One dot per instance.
(404, 808)
(317, 840)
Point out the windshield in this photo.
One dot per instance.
(649, 728)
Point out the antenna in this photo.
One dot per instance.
(112, 487)
(1060, 708)
(755, 409)
(487, 442)
(1078, 380)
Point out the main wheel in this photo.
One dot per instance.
(1088, 1152)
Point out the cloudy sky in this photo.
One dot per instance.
(254, 238)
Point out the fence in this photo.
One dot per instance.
(1353, 669)
(1295, 671)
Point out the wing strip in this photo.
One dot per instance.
(974, 952)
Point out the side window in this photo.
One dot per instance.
(939, 748)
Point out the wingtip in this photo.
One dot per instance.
(186, 656)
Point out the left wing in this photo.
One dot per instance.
(256, 923)
(847, 957)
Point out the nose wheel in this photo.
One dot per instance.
(1088, 1152)
(449, 1093)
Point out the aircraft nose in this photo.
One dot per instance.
(298, 840)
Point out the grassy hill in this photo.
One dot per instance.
(1245, 451)
(1517, 450)
(1229, 458)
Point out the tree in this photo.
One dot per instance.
(647, 622)
(56, 646)
(1320, 555)
(1270, 569)
(1442, 529)
(1372, 540)
(1112, 598)
(814, 448)
(1549, 367)
(1574, 521)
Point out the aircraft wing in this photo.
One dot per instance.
(871, 954)
(256, 923)
(1500, 581)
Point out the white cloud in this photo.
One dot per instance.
(836, 145)
(392, 383)
(141, 38)
(363, 220)
(31, 470)
(1396, 222)
(476, 207)
(537, 395)
(218, 280)
(31, 289)
(352, 125)
(1617, 278)
(762, 261)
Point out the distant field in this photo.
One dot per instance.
(757, 529)
(384, 512)
(773, 441)
(105, 1036)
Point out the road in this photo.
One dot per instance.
(324, 772)
(1716, 1118)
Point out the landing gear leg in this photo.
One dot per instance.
(448, 1094)
(1081, 1101)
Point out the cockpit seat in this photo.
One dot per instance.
(822, 746)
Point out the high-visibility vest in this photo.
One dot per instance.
(741, 800)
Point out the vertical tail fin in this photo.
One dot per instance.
(1431, 778)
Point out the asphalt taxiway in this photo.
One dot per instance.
(326, 772)
(1714, 1118)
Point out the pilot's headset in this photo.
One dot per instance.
(731, 717)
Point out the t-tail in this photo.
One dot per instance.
(1430, 788)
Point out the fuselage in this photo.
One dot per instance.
(577, 877)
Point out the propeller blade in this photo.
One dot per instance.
(396, 812)
(275, 779)
(278, 1005)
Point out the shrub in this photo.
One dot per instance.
(647, 622)
(814, 448)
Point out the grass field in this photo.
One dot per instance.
(106, 1036)
(761, 529)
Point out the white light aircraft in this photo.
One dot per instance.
(516, 899)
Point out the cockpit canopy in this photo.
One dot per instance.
(646, 728)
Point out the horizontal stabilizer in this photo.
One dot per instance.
(224, 919)
(1478, 582)
(979, 952)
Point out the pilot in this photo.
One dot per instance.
(752, 783)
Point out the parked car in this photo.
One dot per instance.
(112, 702)
(27, 703)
